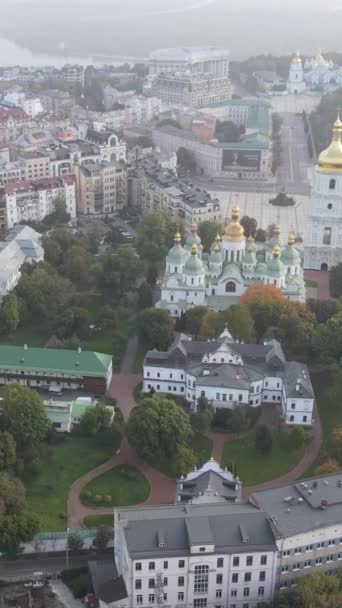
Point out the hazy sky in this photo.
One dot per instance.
(135, 27)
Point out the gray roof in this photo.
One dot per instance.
(210, 483)
(108, 586)
(182, 525)
(229, 376)
(299, 507)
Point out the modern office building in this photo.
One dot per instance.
(195, 59)
(188, 89)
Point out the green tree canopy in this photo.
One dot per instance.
(324, 309)
(158, 428)
(7, 451)
(207, 232)
(327, 340)
(13, 494)
(145, 296)
(24, 415)
(117, 274)
(249, 225)
(155, 328)
(155, 236)
(186, 160)
(16, 529)
(75, 542)
(336, 281)
(191, 320)
(9, 314)
(102, 538)
(96, 419)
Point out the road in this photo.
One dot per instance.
(24, 567)
(292, 175)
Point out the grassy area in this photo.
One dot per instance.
(120, 487)
(95, 521)
(202, 448)
(47, 490)
(328, 390)
(310, 283)
(252, 467)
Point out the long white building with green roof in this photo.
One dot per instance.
(66, 369)
(219, 279)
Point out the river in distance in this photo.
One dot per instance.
(99, 32)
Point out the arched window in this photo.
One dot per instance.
(324, 267)
(230, 287)
(330, 206)
(332, 184)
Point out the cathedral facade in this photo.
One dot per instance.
(312, 73)
(323, 240)
(217, 280)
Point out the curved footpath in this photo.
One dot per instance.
(162, 488)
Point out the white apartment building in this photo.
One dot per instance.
(230, 374)
(187, 89)
(196, 59)
(34, 199)
(11, 172)
(111, 147)
(31, 105)
(23, 244)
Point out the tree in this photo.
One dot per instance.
(145, 296)
(96, 419)
(158, 428)
(207, 232)
(264, 303)
(260, 235)
(282, 200)
(102, 538)
(107, 317)
(185, 460)
(77, 265)
(327, 467)
(192, 319)
(249, 225)
(227, 131)
(24, 415)
(240, 323)
(155, 328)
(117, 274)
(324, 309)
(202, 419)
(336, 281)
(337, 444)
(7, 451)
(13, 494)
(327, 340)
(186, 161)
(263, 440)
(75, 542)
(211, 325)
(9, 314)
(263, 293)
(155, 236)
(319, 591)
(15, 529)
(295, 329)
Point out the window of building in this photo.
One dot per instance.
(327, 236)
(331, 542)
(201, 579)
(165, 597)
(246, 592)
(235, 577)
(236, 561)
(320, 545)
(263, 560)
(139, 599)
(332, 184)
(286, 553)
(218, 593)
(181, 596)
(318, 561)
(330, 558)
(296, 566)
(307, 564)
(151, 583)
(240, 397)
(293, 406)
(138, 566)
(297, 550)
(261, 590)
(339, 556)
(200, 602)
(166, 565)
(181, 581)
(165, 581)
(220, 562)
(262, 575)
(249, 560)
(233, 593)
(202, 549)
(151, 598)
(248, 577)
(138, 583)
(305, 418)
(219, 579)
(284, 569)
(291, 418)
(245, 605)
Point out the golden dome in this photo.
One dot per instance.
(296, 59)
(291, 239)
(234, 231)
(330, 160)
(178, 237)
(276, 229)
(193, 227)
(218, 238)
(194, 249)
(217, 248)
(276, 251)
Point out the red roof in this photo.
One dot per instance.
(43, 183)
(15, 113)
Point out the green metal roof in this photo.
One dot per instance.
(177, 255)
(232, 270)
(290, 255)
(194, 266)
(260, 142)
(72, 362)
(237, 102)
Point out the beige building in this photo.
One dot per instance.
(191, 89)
(102, 188)
(35, 164)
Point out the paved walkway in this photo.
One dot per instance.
(267, 416)
(130, 354)
(64, 595)
(121, 388)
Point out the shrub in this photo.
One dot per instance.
(108, 498)
(98, 498)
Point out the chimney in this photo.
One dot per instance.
(25, 346)
(79, 349)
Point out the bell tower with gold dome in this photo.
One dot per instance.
(323, 239)
(233, 240)
(296, 82)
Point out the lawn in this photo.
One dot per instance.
(201, 446)
(47, 490)
(95, 521)
(122, 486)
(253, 468)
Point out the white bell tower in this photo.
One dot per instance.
(296, 83)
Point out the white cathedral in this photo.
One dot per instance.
(217, 280)
(313, 72)
(323, 239)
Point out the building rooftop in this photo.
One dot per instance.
(50, 360)
(190, 54)
(182, 526)
(299, 507)
(209, 483)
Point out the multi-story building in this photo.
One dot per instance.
(11, 172)
(184, 202)
(111, 147)
(230, 374)
(36, 164)
(23, 244)
(31, 105)
(27, 200)
(9, 73)
(56, 101)
(250, 158)
(253, 114)
(72, 73)
(13, 122)
(323, 240)
(191, 89)
(208, 483)
(102, 188)
(195, 59)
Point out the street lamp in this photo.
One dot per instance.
(67, 549)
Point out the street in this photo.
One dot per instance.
(24, 567)
(292, 175)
